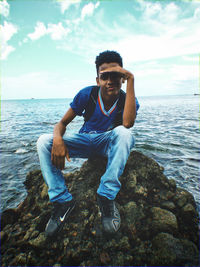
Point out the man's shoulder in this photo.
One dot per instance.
(86, 90)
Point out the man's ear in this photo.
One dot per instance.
(97, 80)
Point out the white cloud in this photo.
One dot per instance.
(6, 50)
(88, 9)
(144, 47)
(4, 8)
(157, 10)
(6, 32)
(65, 4)
(56, 31)
(160, 30)
(40, 30)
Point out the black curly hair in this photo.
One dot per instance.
(108, 57)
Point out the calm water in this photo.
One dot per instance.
(167, 129)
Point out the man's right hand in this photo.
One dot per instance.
(59, 152)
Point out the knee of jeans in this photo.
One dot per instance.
(124, 134)
(44, 140)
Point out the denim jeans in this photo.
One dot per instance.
(115, 145)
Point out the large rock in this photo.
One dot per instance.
(159, 222)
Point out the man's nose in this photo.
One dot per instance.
(110, 79)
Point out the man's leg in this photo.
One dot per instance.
(78, 146)
(120, 142)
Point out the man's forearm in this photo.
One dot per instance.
(60, 127)
(130, 105)
(59, 130)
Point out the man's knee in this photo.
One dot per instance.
(44, 140)
(124, 134)
(122, 131)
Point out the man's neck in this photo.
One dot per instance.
(108, 101)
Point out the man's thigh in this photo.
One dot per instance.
(79, 145)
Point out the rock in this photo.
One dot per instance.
(9, 217)
(44, 191)
(104, 258)
(19, 260)
(182, 197)
(4, 236)
(168, 249)
(159, 222)
(172, 184)
(169, 205)
(188, 210)
(163, 221)
(38, 241)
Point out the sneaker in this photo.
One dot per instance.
(109, 214)
(59, 216)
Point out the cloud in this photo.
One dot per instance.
(167, 13)
(65, 4)
(56, 31)
(159, 30)
(4, 8)
(7, 30)
(40, 30)
(88, 9)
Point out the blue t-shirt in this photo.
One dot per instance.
(101, 120)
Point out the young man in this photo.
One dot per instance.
(101, 134)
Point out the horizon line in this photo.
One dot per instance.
(34, 98)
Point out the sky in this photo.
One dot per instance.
(48, 47)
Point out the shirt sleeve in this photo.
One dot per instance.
(80, 100)
(137, 105)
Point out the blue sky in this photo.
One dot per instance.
(48, 47)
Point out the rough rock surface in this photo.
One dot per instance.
(159, 222)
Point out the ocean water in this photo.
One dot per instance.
(166, 129)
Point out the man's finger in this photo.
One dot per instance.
(61, 163)
(67, 156)
(56, 162)
(53, 159)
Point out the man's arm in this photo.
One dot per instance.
(129, 113)
(130, 104)
(59, 149)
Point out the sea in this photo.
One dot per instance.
(166, 129)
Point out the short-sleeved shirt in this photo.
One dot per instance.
(101, 120)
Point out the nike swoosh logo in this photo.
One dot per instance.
(63, 217)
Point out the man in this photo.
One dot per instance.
(101, 134)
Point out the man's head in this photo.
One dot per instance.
(108, 57)
(110, 82)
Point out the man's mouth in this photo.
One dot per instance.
(112, 87)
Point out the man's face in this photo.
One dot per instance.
(110, 83)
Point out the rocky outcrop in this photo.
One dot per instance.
(159, 222)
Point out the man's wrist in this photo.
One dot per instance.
(130, 82)
(130, 77)
(57, 139)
